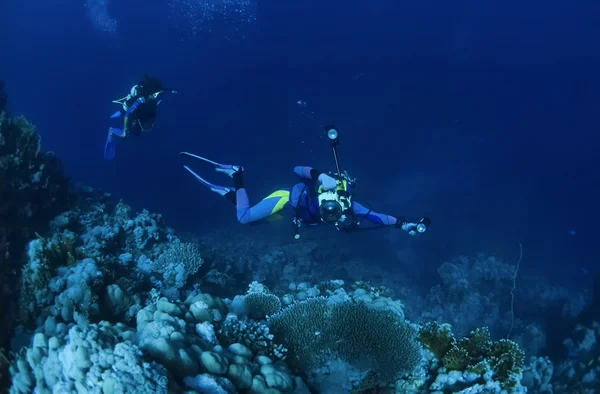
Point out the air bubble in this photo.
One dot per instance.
(97, 11)
(196, 16)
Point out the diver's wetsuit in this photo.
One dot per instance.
(145, 115)
(139, 110)
(300, 201)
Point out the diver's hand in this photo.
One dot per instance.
(328, 183)
(410, 227)
(415, 226)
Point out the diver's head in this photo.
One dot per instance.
(150, 85)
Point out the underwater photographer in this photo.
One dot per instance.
(319, 198)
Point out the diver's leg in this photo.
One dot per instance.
(109, 146)
(118, 132)
(238, 195)
(128, 123)
(270, 205)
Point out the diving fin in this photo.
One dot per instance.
(227, 169)
(116, 115)
(201, 158)
(109, 148)
(222, 190)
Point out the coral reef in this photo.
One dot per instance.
(33, 189)
(475, 291)
(112, 301)
(579, 372)
(91, 358)
(236, 256)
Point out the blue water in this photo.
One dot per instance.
(483, 117)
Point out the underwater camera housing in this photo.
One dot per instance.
(334, 203)
(334, 206)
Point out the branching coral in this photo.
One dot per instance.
(507, 361)
(436, 337)
(180, 260)
(261, 305)
(254, 335)
(475, 353)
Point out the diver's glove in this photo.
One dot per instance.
(328, 182)
(415, 226)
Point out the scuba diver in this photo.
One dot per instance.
(318, 198)
(138, 111)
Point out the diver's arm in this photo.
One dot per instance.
(379, 219)
(158, 96)
(307, 172)
(411, 226)
(134, 106)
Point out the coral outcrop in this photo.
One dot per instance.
(478, 359)
(33, 189)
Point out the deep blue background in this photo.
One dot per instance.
(482, 116)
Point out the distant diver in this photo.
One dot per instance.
(138, 111)
(318, 198)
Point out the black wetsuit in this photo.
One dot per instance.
(144, 116)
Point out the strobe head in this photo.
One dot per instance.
(332, 133)
(423, 224)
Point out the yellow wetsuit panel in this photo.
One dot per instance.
(283, 197)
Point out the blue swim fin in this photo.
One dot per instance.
(116, 115)
(109, 148)
(222, 190)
